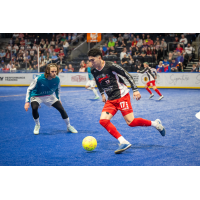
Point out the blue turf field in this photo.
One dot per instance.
(54, 146)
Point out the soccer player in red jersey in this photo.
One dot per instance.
(152, 75)
(107, 75)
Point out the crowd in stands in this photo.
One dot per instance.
(166, 52)
(22, 51)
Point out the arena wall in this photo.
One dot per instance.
(164, 80)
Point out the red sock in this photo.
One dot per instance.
(140, 122)
(110, 128)
(158, 92)
(149, 90)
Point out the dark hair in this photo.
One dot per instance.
(95, 52)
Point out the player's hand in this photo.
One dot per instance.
(104, 98)
(136, 95)
(26, 106)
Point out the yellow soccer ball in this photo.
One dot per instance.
(89, 143)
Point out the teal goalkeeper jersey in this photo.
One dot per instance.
(90, 76)
(41, 86)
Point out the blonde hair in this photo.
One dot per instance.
(48, 67)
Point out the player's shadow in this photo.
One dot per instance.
(93, 99)
(57, 132)
(113, 147)
(87, 132)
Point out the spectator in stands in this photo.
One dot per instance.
(42, 56)
(52, 43)
(183, 40)
(166, 68)
(160, 67)
(9, 65)
(105, 47)
(155, 53)
(157, 45)
(173, 66)
(54, 57)
(176, 40)
(124, 61)
(137, 38)
(170, 56)
(157, 41)
(189, 51)
(143, 52)
(66, 69)
(5, 69)
(103, 53)
(82, 69)
(130, 51)
(22, 42)
(194, 68)
(123, 44)
(15, 35)
(2, 64)
(165, 61)
(131, 39)
(42, 62)
(123, 53)
(179, 62)
(30, 68)
(149, 41)
(57, 49)
(131, 61)
(21, 35)
(134, 42)
(139, 44)
(61, 56)
(163, 44)
(114, 39)
(126, 37)
(161, 53)
(47, 45)
(17, 41)
(28, 42)
(145, 46)
(47, 59)
(71, 69)
(139, 67)
(2, 55)
(65, 47)
(69, 38)
(120, 38)
(7, 56)
(137, 51)
(144, 37)
(179, 48)
(111, 43)
(112, 51)
(149, 52)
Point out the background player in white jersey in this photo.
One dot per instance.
(41, 91)
(152, 75)
(91, 82)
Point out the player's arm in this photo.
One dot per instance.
(142, 71)
(57, 92)
(100, 89)
(119, 70)
(28, 96)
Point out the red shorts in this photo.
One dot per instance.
(123, 104)
(151, 83)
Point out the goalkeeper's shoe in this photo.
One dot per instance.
(122, 147)
(71, 129)
(160, 127)
(36, 129)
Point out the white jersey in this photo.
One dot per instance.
(151, 73)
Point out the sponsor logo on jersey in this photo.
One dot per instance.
(78, 78)
(100, 79)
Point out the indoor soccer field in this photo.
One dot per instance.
(55, 147)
